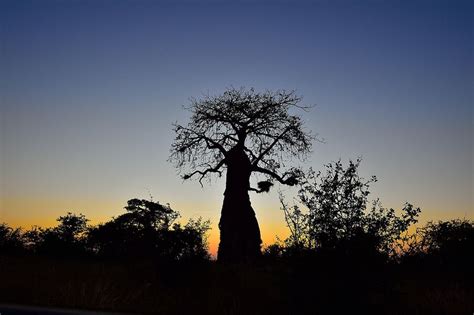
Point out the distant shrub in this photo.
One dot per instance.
(148, 229)
(443, 242)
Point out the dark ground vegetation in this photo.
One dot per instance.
(344, 255)
(320, 284)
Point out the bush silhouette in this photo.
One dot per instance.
(447, 243)
(148, 229)
(68, 238)
(134, 263)
(11, 240)
(339, 218)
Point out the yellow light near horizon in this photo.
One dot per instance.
(26, 212)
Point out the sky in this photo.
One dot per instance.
(89, 91)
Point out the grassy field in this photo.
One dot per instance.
(268, 287)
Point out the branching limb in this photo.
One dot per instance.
(211, 144)
(275, 141)
(260, 124)
(215, 169)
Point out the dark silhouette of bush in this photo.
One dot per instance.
(11, 240)
(320, 280)
(445, 243)
(67, 239)
(148, 229)
(150, 215)
(188, 242)
(338, 217)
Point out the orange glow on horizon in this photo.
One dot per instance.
(27, 212)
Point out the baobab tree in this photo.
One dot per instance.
(241, 132)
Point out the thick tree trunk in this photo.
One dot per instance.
(239, 232)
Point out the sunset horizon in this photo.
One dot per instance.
(253, 115)
(84, 130)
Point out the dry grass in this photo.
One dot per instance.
(209, 288)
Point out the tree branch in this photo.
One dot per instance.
(275, 141)
(211, 144)
(291, 180)
(214, 169)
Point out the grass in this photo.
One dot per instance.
(275, 287)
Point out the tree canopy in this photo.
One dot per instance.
(259, 123)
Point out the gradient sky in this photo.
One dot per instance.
(89, 90)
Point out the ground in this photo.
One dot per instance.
(267, 287)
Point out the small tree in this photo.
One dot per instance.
(338, 215)
(71, 227)
(149, 214)
(66, 239)
(148, 229)
(242, 132)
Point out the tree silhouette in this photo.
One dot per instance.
(71, 226)
(66, 239)
(149, 214)
(148, 229)
(242, 132)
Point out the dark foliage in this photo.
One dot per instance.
(339, 218)
(68, 238)
(443, 243)
(334, 262)
(310, 286)
(429, 278)
(11, 240)
(431, 274)
(147, 230)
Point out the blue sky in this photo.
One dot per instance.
(89, 90)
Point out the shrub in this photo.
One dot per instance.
(338, 216)
(11, 240)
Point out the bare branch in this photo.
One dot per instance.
(215, 169)
(265, 152)
(291, 178)
(259, 123)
